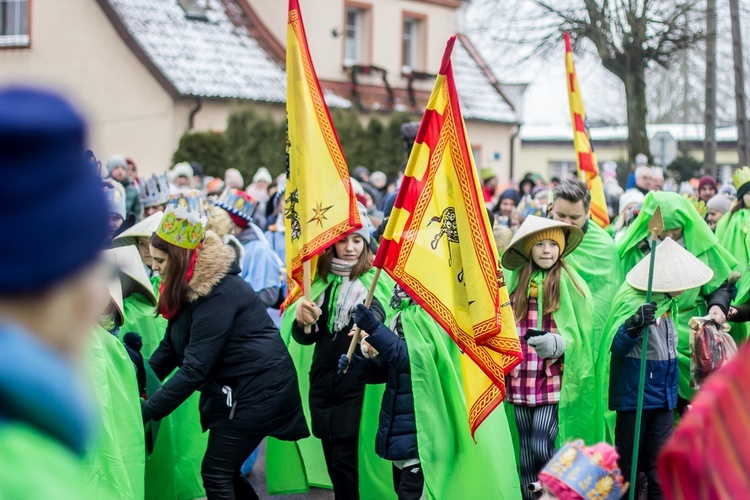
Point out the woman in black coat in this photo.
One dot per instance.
(227, 347)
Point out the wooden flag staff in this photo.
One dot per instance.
(306, 278)
(368, 301)
(655, 227)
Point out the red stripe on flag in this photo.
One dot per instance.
(579, 125)
(430, 134)
(572, 82)
(586, 163)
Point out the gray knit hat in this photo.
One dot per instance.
(722, 203)
(367, 228)
(115, 161)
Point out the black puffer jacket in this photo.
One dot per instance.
(223, 337)
(335, 400)
(397, 431)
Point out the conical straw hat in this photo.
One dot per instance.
(514, 256)
(115, 295)
(144, 228)
(675, 270)
(128, 261)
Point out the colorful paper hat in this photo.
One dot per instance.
(585, 471)
(154, 190)
(132, 273)
(740, 178)
(184, 221)
(515, 256)
(675, 270)
(237, 203)
(143, 229)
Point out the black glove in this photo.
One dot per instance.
(643, 317)
(133, 344)
(365, 319)
(357, 368)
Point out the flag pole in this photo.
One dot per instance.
(368, 302)
(655, 227)
(306, 278)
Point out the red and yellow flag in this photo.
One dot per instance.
(438, 246)
(320, 203)
(588, 169)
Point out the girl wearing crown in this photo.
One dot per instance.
(552, 389)
(223, 344)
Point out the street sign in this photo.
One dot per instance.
(664, 148)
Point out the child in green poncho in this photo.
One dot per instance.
(552, 305)
(675, 270)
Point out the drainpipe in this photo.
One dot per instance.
(193, 112)
(513, 151)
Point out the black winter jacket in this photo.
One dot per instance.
(397, 431)
(224, 338)
(335, 400)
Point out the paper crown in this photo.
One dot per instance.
(237, 203)
(698, 205)
(741, 176)
(184, 221)
(154, 190)
(584, 472)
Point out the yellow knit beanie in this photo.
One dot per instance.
(555, 234)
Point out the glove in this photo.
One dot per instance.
(133, 344)
(548, 346)
(530, 333)
(357, 367)
(365, 319)
(643, 317)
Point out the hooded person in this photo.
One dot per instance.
(596, 259)
(181, 177)
(222, 343)
(115, 196)
(675, 272)
(343, 411)
(716, 207)
(553, 401)
(684, 225)
(139, 236)
(260, 266)
(153, 193)
(117, 169)
(507, 203)
(50, 294)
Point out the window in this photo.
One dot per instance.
(14, 23)
(476, 152)
(563, 169)
(412, 44)
(356, 34)
(193, 10)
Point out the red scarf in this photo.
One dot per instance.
(171, 313)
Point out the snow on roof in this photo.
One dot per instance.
(206, 58)
(690, 132)
(480, 100)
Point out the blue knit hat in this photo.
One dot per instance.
(52, 207)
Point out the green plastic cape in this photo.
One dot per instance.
(626, 303)
(454, 465)
(701, 242)
(293, 467)
(35, 466)
(596, 260)
(574, 322)
(732, 233)
(173, 470)
(115, 463)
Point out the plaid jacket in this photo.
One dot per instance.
(535, 381)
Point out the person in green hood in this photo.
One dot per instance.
(684, 225)
(596, 258)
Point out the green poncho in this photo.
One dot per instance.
(698, 240)
(454, 465)
(577, 406)
(732, 233)
(596, 260)
(292, 467)
(115, 463)
(626, 303)
(173, 469)
(35, 466)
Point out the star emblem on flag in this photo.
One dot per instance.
(320, 214)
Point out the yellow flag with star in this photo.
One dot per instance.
(320, 202)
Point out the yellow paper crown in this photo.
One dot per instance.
(184, 221)
(741, 176)
(698, 205)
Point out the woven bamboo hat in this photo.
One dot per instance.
(115, 295)
(516, 256)
(144, 229)
(675, 270)
(132, 273)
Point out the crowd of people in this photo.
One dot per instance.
(193, 365)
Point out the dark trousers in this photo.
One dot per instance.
(408, 482)
(656, 428)
(342, 460)
(537, 431)
(225, 454)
